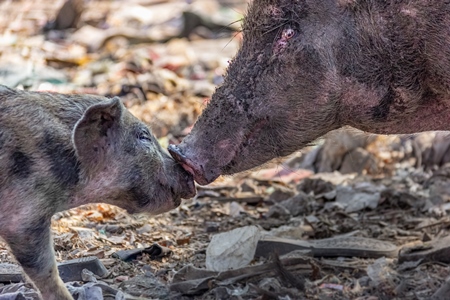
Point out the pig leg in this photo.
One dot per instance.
(33, 248)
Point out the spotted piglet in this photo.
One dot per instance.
(60, 151)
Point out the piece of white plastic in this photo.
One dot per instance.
(233, 249)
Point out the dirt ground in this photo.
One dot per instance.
(355, 216)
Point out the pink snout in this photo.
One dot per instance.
(197, 170)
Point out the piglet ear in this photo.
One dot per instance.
(97, 130)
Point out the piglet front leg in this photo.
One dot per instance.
(32, 247)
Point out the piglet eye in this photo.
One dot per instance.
(144, 136)
(288, 33)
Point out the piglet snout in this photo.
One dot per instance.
(187, 186)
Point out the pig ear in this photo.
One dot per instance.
(96, 129)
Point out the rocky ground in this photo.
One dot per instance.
(355, 216)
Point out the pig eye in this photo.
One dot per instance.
(281, 44)
(144, 136)
(288, 33)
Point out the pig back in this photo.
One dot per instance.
(36, 152)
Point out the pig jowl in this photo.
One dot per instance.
(61, 151)
(307, 67)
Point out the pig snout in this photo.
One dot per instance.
(190, 165)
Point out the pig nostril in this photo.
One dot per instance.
(197, 171)
(176, 153)
(181, 159)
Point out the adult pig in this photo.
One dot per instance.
(61, 151)
(306, 67)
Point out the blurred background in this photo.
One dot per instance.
(163, 58)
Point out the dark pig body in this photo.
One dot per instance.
(61, 151)
(307, 67)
